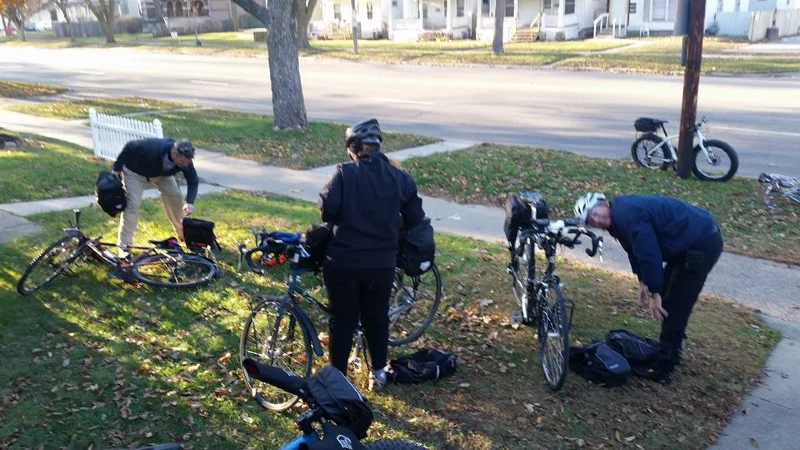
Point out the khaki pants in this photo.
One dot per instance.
(171, 197)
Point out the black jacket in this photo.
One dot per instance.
(146, 157)
(654, 229)
(367, 200)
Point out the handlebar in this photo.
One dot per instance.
(597, 241)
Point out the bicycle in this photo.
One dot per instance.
(412, 305)
(654, 152)
(317, 414)
(548, 310)
(789, 187)
(164, 264)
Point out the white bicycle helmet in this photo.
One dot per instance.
(585, 204)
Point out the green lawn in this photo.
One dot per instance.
(44, 168)
(17, 89)
(241, 135)
(748, 226)
(93, 363)
(637, 55)
(79, 109)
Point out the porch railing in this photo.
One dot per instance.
(600, 20)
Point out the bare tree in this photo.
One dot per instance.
(18, 11)
(303, 11)
(499, 17)
(104, 11)
(62, 5)
(279, 17)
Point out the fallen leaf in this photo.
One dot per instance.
(464, 385)
(540, 420)
(754, 442)
(65, 363)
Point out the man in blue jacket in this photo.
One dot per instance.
(155, 161)
(655, 230)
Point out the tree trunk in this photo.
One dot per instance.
(499, 17)
(288, 105)
(105, 15)
(304, 13)
(62, 5)
(3, 18)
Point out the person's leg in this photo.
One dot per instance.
(172, 199)
(374, 301)
(134, 187)
(342, 287)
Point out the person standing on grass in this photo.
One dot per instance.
(655, 230)
(366, 201)
(155, 161)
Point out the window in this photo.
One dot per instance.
(337, 11)
(659, 10)
(719, 5)
(460, 8)
(569, 7)
(509, 8)
(394, 2)
(737, 6)
(369, 11)
(485, 7)
(53, 15)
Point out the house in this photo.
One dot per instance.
(401, 20)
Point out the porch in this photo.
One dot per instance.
(412, 20)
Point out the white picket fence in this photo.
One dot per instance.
(111, 133)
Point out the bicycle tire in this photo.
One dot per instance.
(725, 148)
(266, 397)
(394, 444)
(400, 294)
(643, 160)
(521, 268)
(175, 263)
(75, 242)
(554, 320)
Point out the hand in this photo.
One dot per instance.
(657, 312)
(644, 295)
(188, 209)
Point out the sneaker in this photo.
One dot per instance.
(377, 380)
(659, 371)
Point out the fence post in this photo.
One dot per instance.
(159, 132)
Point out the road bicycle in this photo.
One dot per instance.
(712, 160)
(164, 264)
(538, 293)
(280, 332)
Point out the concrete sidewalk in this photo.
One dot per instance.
(764, 285)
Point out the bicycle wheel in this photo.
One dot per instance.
(43, 269)
(394, 444)
(553, 335)
(276, 338)
(413, 305)
(720, 165)
(174, 270)
(269, 260)
(646, 155)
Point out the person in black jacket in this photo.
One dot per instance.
(155, 161)
(654, 230)
(365, 201)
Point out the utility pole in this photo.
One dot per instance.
(355, 26)
(695, 14)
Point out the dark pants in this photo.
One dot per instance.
(361, 294)
(684, 278)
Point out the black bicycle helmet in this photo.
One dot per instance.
(366, 132)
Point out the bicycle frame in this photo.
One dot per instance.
(666, 141)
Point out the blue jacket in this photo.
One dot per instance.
(654, 229)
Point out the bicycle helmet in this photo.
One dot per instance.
(185, 148)
(585, 204)
(366, 132)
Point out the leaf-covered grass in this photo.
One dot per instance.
(672, 44)
(44, 168)
(747, 225)
(91, 362)
(242, 135)
(79, 109)
(18, 89)
(670, 64)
